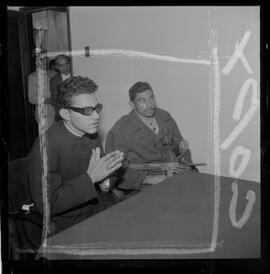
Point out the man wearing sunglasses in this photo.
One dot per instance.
(146, 135)
(77, 168)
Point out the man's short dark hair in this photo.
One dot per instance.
(138, 88)
(71, 87)
(62, 56)
(52, 64)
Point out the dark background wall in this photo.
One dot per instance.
(21, 126)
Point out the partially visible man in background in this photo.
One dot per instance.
(62, 65)
(33, 92)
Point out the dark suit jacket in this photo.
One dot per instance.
(55, 80)
(71, 194)
(141, 145)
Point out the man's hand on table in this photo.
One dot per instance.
(154, 179)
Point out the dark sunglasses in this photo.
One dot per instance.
(88, 110)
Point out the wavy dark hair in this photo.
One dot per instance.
(62, 56)
(71, 87)
(138, 87)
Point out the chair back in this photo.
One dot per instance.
(24, 229)
(18, 184)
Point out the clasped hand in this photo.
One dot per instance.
(101, 167)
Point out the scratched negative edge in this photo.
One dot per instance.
(160, 248)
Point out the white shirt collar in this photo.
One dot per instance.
(64, 77)
(71, 131)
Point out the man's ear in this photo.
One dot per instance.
(64, 113)
(131, 104)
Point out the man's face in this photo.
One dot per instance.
(80, 123)
(62, 65)
(144, 103)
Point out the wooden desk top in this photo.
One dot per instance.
(185, 216)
